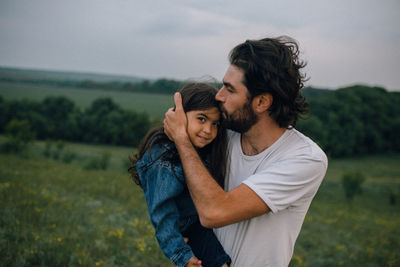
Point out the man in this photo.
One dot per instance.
(274, 171)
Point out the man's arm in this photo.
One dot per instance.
(216, 207)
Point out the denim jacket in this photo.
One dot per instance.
(169, 204)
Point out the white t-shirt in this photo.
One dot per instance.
(286, 176)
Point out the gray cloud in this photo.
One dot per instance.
(344, 42)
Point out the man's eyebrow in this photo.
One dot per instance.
(227, 84)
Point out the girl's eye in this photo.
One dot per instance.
(201, 119)
(216, 123)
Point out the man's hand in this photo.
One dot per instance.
(193, 262)
(175, 122)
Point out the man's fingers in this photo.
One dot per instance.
(169, 111)
(166, 130)
(167, 114)
(178, 101)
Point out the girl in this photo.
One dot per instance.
(158, 170)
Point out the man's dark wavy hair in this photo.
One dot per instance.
(272, 65)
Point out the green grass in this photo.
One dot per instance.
(58, 214)
(154, 105)
(362, 232)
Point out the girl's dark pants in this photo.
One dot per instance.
(206, 246)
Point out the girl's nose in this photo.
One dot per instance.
(207, 128)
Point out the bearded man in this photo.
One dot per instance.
(274, 171)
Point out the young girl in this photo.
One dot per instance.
(159, 172)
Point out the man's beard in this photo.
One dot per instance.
(241, 120)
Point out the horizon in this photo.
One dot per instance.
(153, 79)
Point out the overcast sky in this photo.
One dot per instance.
(344, 42)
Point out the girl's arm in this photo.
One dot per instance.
(160, 187)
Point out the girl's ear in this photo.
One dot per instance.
(262, 103)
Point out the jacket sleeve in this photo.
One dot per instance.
(160, 187)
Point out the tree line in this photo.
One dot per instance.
(58, 118)
(345, 122)
(354, 120)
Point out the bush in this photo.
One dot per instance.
(59, 148)
(47, 148)
(19, 135)
(92, 164)
(352, 181)
(105, 160)
(98, 163)
(57, 152)
(68, 157)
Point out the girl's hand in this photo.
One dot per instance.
(193, 262)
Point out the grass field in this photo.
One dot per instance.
(154, 105)
(58, 214)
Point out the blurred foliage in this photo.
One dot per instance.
(351, 182)
(58, 118)
(98, 163)
(19, 135)
(355, 120)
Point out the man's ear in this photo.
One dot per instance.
(263, 102)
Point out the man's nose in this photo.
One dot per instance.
(220, 95)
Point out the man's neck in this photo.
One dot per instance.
(260, 136)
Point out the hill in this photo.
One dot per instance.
(21, 74)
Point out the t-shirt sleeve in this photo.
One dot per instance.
(287, 182)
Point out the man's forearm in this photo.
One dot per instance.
(207, 195)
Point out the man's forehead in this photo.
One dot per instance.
(234, 73)
(234, 78)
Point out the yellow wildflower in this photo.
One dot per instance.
(117, 233)
(340, 247)
(141, 244)
(134, 223)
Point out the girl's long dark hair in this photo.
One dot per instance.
(195, 96)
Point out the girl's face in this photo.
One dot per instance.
(203, 126)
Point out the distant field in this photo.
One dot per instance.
(153, 104)
(59, 214)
